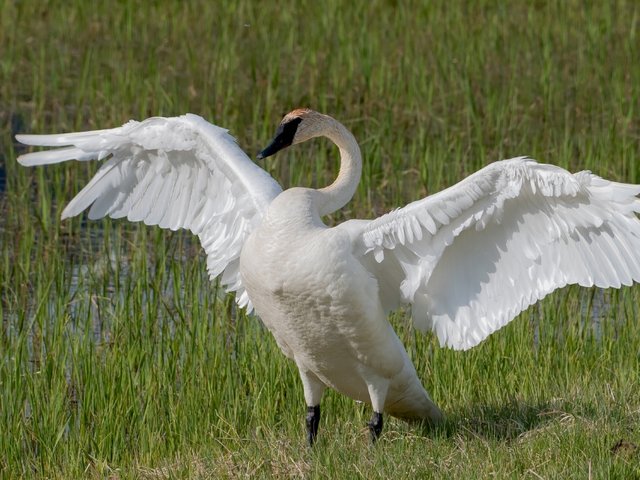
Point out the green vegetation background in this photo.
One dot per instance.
(118, 359)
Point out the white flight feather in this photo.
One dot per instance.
(179, 172)
(499, 241)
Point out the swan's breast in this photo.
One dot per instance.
(318, 301)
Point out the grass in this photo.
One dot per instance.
(119, 359)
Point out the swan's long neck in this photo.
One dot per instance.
(338, 194)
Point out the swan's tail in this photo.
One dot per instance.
(409, 401)
(412, 409)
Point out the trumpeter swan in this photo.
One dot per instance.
(467, 259)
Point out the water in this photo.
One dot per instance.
(3, 174)
(96, 271)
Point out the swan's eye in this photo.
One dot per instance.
(283, 138)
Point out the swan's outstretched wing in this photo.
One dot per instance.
(472, 257)
(180, 172)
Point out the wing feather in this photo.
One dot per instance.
(179, 172)
(472, 257)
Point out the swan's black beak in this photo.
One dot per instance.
(275, 146)
(284, 138)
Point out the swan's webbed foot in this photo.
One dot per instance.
(312, 420)
(375, 426)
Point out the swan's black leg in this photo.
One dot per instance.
(375, 426)
(313, 420)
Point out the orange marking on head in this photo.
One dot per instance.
(298, 112)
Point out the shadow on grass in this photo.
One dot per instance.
(505, 422)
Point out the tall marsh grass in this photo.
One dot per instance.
(119, 359)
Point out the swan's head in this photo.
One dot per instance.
(297, 126)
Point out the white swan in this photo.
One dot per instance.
(467, 259)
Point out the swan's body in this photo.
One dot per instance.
(324, 311)
(467, 259)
